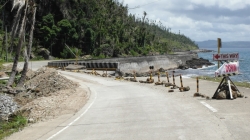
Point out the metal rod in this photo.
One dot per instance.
(229, 87)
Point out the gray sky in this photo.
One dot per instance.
(200, 20)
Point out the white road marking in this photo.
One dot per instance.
(75, 119)
(208, 106)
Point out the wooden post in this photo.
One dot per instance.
(167, 76)
(134, 75)
(197, 80)
(181, 81)
(151, 75)
(159, 76)
(173, 78)
(219, 46)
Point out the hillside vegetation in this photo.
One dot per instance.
(101, 28)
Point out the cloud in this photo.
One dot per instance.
(227, 4)
(198, 19)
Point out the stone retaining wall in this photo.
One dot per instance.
(130, 64)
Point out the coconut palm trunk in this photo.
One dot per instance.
(18, 50)
(27, 52)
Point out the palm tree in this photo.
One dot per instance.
(20, 4)
(27, 51)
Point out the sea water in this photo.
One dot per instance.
(244, 62)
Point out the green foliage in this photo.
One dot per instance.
(48, 31)
(133, 53)
(48, 20)
(15, 124)
(102, 27)
(65, 27)
(101, 56)
(66, 53)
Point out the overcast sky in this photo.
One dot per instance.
(200, 20)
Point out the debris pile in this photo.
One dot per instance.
(3, 74)
(46, 80)
(149, 81)
(197, 94)
(160, 83)
(44, 93)
(131, 79)
(187, 88)
(7, 107)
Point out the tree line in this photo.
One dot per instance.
(101, 28)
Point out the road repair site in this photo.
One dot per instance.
(129, 109)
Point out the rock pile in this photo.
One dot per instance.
(224, 93)
(7, 107)
(149, 81)
(195, 63)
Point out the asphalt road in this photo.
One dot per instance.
(122, 110)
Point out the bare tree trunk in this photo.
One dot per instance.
(6, 41)
(14, 29)
(3, 45)
(27, 52)
(18, 50)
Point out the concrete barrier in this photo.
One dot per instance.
(129, 64)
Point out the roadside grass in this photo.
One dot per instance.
(15, 124)
(218, 79)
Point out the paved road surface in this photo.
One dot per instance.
(122, 110)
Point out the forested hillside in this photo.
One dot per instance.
(101, 28)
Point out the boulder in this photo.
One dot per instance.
(44, 53)
(196, 63)
(221, 95)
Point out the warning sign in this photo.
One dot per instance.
(228, 69)
(226, 56)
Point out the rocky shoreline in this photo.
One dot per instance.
(195, 64)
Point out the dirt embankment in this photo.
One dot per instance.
(46, 95)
